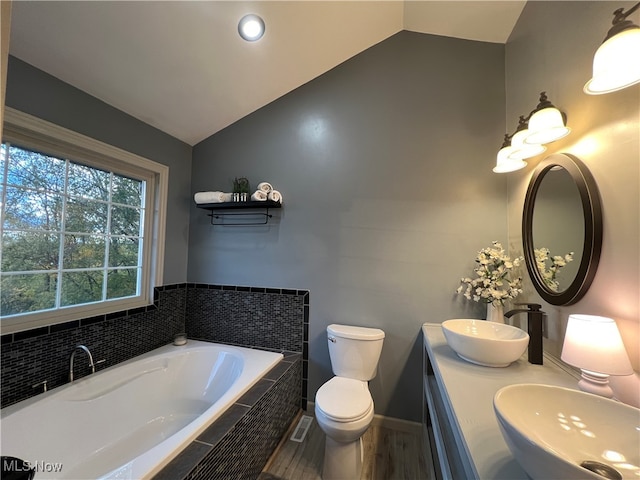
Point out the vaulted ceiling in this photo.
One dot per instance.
(181, 66)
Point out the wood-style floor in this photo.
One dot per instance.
(389, 454)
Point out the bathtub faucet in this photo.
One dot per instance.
(73, 356)
(534, 329)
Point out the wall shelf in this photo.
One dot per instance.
(254, 212)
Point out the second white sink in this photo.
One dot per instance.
(485, 343)
(565, 434)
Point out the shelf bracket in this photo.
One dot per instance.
(258, 214)
(221, 216)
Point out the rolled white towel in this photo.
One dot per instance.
(212, 197)
(275, 196)
(265, 187)
(259, 196)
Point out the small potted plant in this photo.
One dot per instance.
(240, 189)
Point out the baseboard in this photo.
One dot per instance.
(391, 423)
(397, 424)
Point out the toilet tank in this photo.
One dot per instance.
(354, 351)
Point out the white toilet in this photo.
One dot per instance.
(344, 407)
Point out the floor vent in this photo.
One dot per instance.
(301, 429)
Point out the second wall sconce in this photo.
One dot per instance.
(544, 124)
(616, 63)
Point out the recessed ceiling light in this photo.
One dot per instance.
(251, 27)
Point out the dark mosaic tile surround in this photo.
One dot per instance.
(29, 357)
(274, 319)
(248, 316)
(239, 443)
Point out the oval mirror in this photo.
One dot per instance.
(562, 229)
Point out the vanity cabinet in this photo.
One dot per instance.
(458, 418)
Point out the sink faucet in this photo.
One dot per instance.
(73, 355)
(534, 329)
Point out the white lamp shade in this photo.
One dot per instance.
(505, 164)
(616, 64)
(546, 126)
(594, 344)
(521, 150)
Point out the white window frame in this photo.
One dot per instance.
(27, 131)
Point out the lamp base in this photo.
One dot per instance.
(596, 383)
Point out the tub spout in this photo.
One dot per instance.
(534, 329)
(73, 356)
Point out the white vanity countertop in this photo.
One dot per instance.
(469, 389)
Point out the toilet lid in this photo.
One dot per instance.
(344, 399)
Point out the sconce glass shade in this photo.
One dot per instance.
(616, 64)
(521, 150)
(505, 164)
(593, 344)
(546, 126)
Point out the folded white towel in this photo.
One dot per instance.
(259, 196)
(265, 187)
(212, 197)
(275, 196)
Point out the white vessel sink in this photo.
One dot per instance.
(551, 431)
(485, 343)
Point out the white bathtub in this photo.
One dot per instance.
(128, 421)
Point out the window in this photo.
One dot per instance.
(80, 225)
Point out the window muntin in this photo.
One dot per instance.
(131, 235)
(71, 232)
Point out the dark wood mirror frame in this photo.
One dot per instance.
(592, 211)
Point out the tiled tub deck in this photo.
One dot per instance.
(239, 443)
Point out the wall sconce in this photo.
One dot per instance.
(544, 124)
(504, 162)
(521, 148)
(593, 344)
(547, 123)
(616, 63)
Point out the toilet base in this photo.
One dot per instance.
(342, 461)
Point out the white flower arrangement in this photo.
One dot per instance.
(492, 284)
(557, 262)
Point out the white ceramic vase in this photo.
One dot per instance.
(495, 313)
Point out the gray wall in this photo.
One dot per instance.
(385, 165)
(552, 49)
(34, 92)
